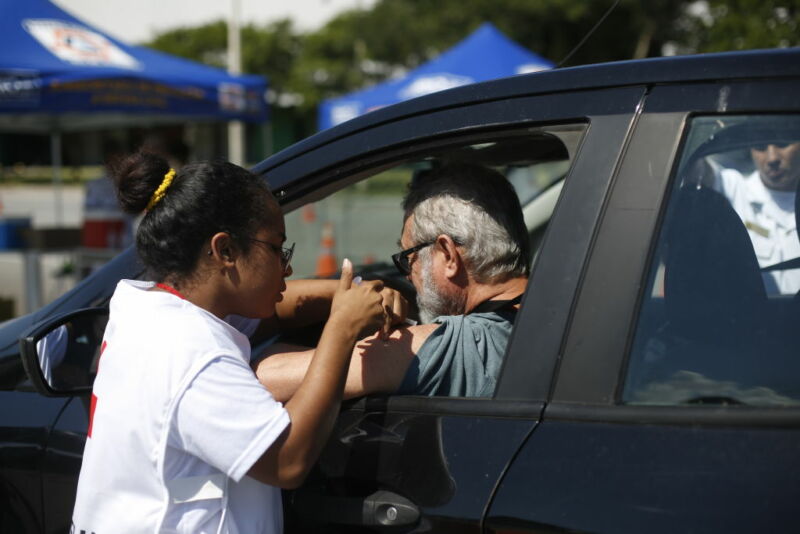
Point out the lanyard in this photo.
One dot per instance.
(170, 289)
(495, 305)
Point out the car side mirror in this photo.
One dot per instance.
(60, 355)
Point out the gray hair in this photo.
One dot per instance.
(489, 252)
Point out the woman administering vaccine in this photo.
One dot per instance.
(182, 436)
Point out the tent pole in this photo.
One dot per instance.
(55, 161)
(235, 128)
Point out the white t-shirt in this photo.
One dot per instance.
(177, 420)
(770, 220)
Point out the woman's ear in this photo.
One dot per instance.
(222, 248)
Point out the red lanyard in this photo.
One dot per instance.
(170, 289)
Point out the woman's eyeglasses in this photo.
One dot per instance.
(401, 258)
(285, 254)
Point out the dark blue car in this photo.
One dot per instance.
(652, 381)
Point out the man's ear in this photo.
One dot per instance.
(451, 256)
(222, 249)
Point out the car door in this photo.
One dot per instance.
(25, 425)
(416, 464)
(675, 408)
(43, 437)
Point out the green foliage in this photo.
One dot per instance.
(270, 50)
(742, 25)
(362, 47)
(206, 43)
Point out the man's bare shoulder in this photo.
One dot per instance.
(405, 340)
(377, 366)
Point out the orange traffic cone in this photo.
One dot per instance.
(326, 261)
(309, 213)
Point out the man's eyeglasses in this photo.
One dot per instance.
(401, 258)
(285, 254)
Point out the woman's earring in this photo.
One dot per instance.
(210, 253)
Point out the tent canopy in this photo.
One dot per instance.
(57, 71)
(485, 55)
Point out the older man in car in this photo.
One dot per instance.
(465, 250)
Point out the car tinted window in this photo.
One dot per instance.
(718, 320)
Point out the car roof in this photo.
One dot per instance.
(772, 63)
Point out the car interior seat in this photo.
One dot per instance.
(714, 296)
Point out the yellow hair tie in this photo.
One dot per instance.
(162, 189)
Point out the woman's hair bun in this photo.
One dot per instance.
(137, 177)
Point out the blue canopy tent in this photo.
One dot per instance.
(54, 65)
(485, 55)
(59, 74)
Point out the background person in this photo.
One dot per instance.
(765, 200)
(105, 225)
(465, 249)
(182, 437)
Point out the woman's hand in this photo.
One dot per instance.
(315, 403)
(361, 304)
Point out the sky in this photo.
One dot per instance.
(137, 21)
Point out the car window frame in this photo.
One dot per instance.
(343, 161)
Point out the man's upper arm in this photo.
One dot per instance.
(376, 366)
(379, 366)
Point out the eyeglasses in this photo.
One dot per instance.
(285, 254)
(401, 258)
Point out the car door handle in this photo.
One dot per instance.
(382, 508)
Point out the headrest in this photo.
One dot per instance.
(711, 267)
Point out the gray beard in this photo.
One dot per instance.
(431, 302)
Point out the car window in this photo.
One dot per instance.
(363, 220)
(718, 319)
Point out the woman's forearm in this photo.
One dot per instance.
(312, 409)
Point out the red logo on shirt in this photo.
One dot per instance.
(93, 404)
(102, 348)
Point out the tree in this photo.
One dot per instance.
(270, 50)
(206, 43)
(363, 47)
(359, 48)
(717, 26)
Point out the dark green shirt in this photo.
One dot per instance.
(461, 358)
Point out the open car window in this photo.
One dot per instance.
(362, 221)
(717, 324)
